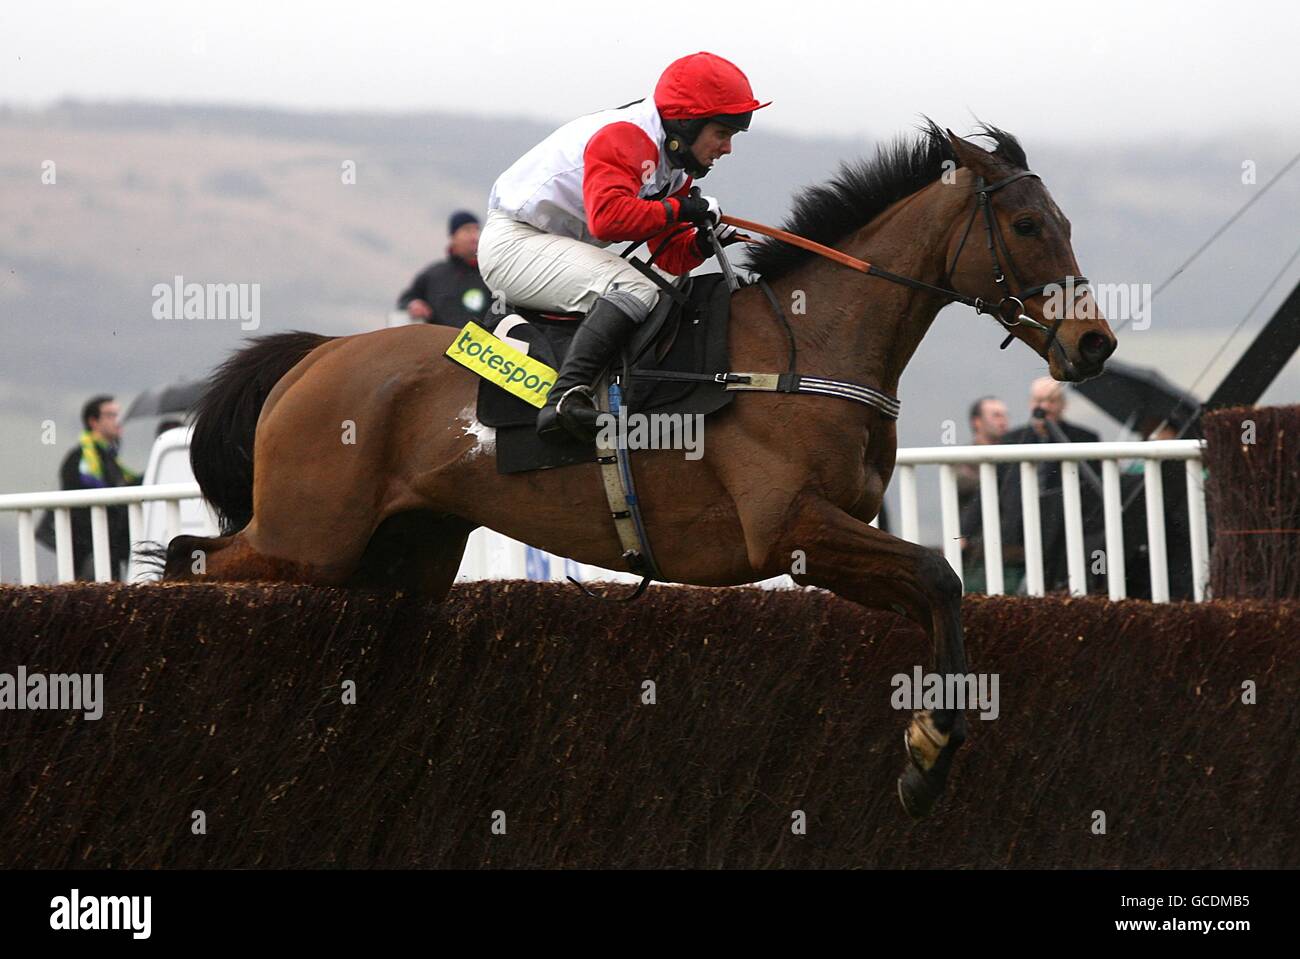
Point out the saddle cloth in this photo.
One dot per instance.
(689, 338)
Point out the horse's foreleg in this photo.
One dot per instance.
(870, 567)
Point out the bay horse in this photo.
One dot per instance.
(369, 468)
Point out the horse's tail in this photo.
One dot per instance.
(221, 448)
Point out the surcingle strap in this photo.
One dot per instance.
(888, 405)
(819, 385)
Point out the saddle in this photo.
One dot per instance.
(681, 335)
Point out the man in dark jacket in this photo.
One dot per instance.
(1046, 395)
(1047, 425)
(451, 292)
(93, 464)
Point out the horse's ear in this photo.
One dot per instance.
(978, 160)
(955, 140)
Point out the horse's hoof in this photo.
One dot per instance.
(915, 793)
(918, 789)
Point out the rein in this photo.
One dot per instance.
(1009, 311)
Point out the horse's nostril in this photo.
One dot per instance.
(1095, 347)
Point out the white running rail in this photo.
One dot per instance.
(484, 558)
(27, 504)
(1069, 455)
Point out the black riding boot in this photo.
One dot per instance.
(570, 408)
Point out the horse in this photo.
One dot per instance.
(358, 461)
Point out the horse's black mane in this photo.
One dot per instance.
(861, 191)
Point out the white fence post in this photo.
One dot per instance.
(1029, 511)
(950, 520)
(911, 526)
(63, 545)
(991, 518)
(26, 547)
(99, 541)
(1076, 563)
(1155, 498)
(173, 519)
(1198, 534)
(1116, 570)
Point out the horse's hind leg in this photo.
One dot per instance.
(880, 571)
(417, 551)
(233, 559)
(187, 556)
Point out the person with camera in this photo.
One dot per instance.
(1047, 424)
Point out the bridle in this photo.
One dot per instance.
(1009, 311)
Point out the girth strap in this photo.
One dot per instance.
(620, 491)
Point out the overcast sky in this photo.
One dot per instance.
(1063, 70)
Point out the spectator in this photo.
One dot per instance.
(1047, 395)
(988, 423)
(93, 464)
(451, 292)
(1047, 425)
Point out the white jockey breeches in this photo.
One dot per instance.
(543, 271)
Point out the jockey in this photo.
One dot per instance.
(622, 174)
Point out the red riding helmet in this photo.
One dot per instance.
(706, 86)
(696, 89)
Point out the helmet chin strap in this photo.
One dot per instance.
(679, 154)
(681, 137)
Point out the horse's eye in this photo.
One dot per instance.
(1026, 227)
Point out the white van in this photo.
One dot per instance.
(169, 462)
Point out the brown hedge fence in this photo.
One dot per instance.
(529, 699)
(1252, 491)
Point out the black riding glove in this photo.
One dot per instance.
(698, 209)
